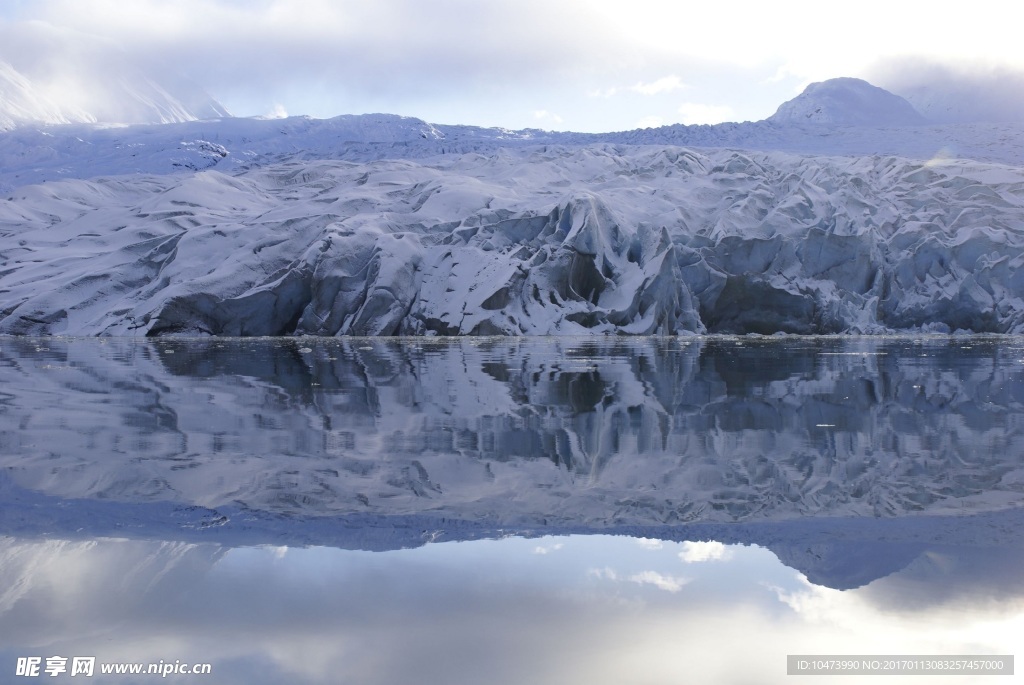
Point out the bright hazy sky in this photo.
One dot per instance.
(584, 65)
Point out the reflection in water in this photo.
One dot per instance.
(142, 480)
(593, 431)
(587, 609)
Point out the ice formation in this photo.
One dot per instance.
(386, 225)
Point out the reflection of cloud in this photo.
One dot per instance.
(603, 573)
(951, 628)
(544, 549)
(446, 613)
(694, 552)
(650, 543)
(660, 581)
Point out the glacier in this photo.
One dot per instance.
(845, 212)
(528, 240)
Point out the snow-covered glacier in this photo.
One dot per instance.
(522, 240)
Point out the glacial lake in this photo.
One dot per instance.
(446, 511)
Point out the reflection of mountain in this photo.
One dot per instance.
(956, 577)
(596, 432)
(924, 560)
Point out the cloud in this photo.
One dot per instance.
(278, 111)
(68, 75)
(961, 93)
(326, 57)
(660, 581)
(546, 117)
(666, 84)
(496, 62)
(695, 552)
(605, 573)
(650, 122)
(545, 549)
(649, 543)
(700, 113)
(344, 50)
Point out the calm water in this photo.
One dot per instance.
(509, 511)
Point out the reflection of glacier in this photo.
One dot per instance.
(578, 432)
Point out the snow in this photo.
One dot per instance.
(847, 102)
(551, 240)
(380, 225)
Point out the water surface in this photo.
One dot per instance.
(495, 510)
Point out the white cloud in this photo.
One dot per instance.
(545, 549)
(602, 92)
(277, 112)
(955, 93)
(660, 581)
(603, 573)
(666, 84)
(474, 59)
(650, 122)
(695, 552)
(650, 543)
(545, 117)
(700, 113)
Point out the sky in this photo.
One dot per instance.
(582, 65)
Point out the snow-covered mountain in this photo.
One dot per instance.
(379, 224)
(847, 102)
(34, 154)
(57, 76)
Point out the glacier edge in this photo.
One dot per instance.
(546, 240)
